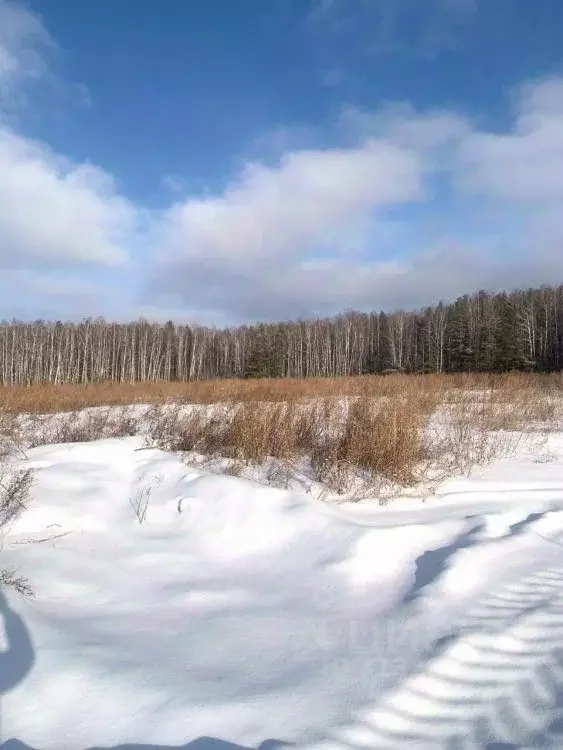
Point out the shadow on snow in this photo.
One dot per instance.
(17, 660)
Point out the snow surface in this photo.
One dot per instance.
(176, 608)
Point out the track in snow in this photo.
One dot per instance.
(495, 681)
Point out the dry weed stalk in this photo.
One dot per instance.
(140, 503)
(15, 487)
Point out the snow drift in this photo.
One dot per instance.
(180, 609)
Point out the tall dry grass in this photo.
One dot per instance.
(49, 398)
(392, 429)
(394, 440)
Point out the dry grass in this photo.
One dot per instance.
(393, 430)
(388, 441)
(49, 398)
(389, 429)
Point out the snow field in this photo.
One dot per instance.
(179, 608)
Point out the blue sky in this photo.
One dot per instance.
(226, 162)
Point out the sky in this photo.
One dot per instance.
(223, 162)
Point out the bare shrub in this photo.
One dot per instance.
(14, 493)
(279, 473)
(520, 409)
(162, 426)
(11, 436)
(10, 579)
(234, 468)
(196, 430)
(74, 429)
(80, 427)
(478, 427)
(330, 469)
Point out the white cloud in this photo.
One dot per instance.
(427, 133)
(273, 213)
(254, 250)
(52, 211)
(56, 212)
(417, 206)
(425, 206)
(23, 43)
(524, 165)
(244, 253)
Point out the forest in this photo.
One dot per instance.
(481, 332)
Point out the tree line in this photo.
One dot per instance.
(482, 332)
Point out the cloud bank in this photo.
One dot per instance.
(405, 207)
(425, 206)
